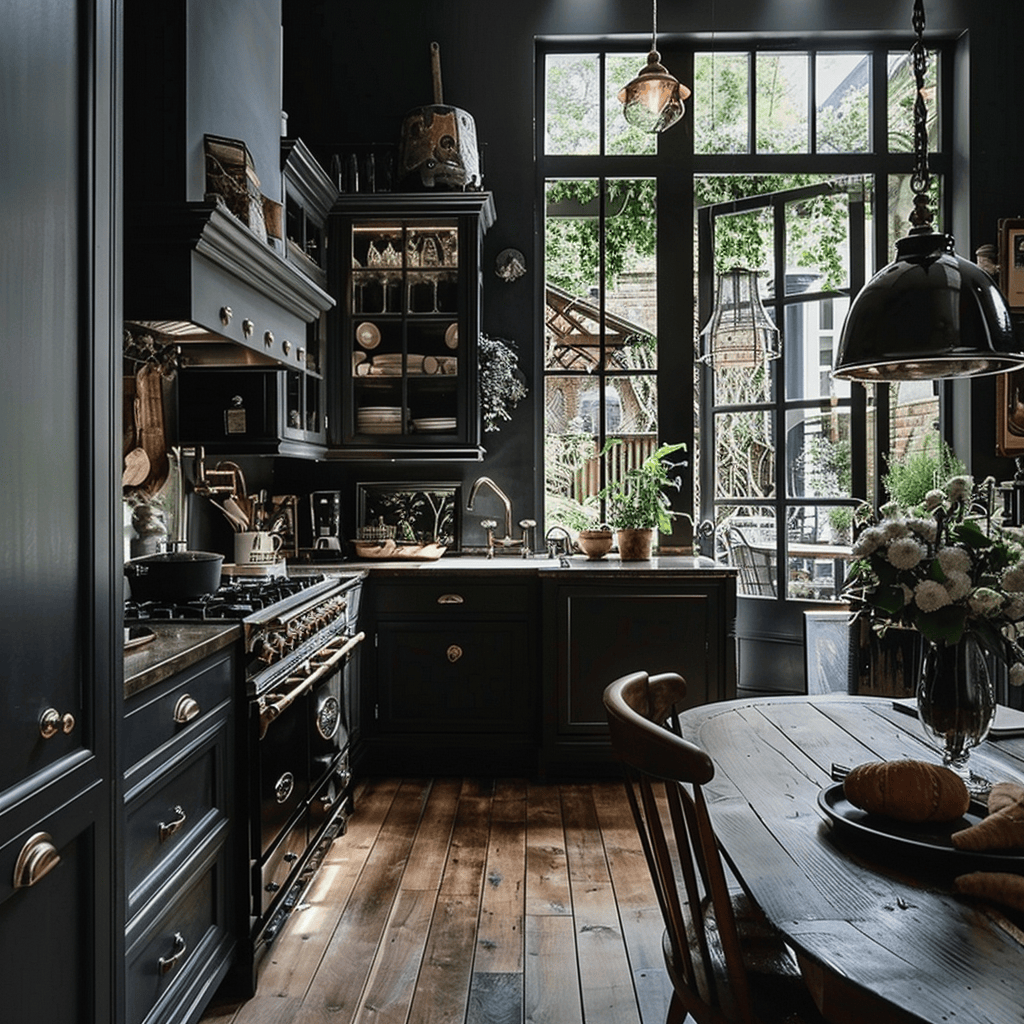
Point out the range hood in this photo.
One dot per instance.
(196, 276)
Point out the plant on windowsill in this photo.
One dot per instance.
(637, 502)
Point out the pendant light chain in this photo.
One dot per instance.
(654, 25)
(921, 217)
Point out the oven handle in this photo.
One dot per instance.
(271, 709)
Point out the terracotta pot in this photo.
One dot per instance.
(635, 545)
(595, 543)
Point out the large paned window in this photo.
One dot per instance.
(793, 164)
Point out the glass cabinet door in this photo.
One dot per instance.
(410, 316)
(405, 342)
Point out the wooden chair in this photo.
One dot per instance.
(726, 962)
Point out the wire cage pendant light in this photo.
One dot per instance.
(739, 334)
(653, 101)
(930, 314)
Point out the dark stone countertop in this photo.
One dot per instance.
(175, 647)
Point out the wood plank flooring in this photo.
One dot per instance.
(465, 901)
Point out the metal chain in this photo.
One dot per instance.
(921, 177)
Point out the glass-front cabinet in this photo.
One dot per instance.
(408, 282)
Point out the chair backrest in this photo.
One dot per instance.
(755, 562)
(664, 779)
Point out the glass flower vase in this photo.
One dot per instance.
(956, 703)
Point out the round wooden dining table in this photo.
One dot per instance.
(869, 911)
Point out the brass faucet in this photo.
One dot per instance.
(508, 542)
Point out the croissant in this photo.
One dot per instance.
(1003, 828)
(907, 790)
(1000, 886)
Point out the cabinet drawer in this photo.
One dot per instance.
(152, 718)
(451, 596)
(174, 961)
(169, 813)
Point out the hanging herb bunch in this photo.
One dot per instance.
(502, 383)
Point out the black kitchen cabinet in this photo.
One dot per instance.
(406, 271)
(61, 566)
(602, 626)
(252, 412)
(184, 853)
(451, 687)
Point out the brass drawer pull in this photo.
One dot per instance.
(186, 709)
(51, 722)
(454, 653)
(170, 828)
(450, 599)
(168, 963)
(38, 857)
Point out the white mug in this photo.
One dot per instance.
(256, 547)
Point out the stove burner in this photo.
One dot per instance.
(236, 598)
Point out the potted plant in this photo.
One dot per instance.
(637, 502)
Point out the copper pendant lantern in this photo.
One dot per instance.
(930, 314)
(653, 101)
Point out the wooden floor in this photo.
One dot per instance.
(459, 901)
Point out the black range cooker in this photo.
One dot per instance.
(300, 641)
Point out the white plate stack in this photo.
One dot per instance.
(379, 419)
(435, 424)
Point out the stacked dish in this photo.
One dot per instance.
(379, 419)
(435, 424)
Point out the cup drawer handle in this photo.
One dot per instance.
(168, 963)
(450, 599)
(168, 829)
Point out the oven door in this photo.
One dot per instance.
(284, 774)
(325, 711)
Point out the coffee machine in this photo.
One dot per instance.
(325, 509)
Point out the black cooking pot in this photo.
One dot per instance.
(174, 575)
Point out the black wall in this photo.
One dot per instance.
(353, 70)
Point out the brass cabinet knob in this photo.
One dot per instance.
(51, 722)
(454, 653)
(186, 709)
(38, 857)
(168, 963)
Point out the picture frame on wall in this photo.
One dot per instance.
(1010, 386)
(420, 513)
(1011, 262)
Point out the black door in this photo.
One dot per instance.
(59, 627)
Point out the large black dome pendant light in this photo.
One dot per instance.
(930, 314)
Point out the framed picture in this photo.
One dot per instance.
(1011, 262)
(1010, 386)
(424, 513)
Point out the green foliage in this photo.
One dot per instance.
(908, 480)
(638, 501)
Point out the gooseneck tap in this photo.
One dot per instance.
(508, 542)
(477, 484)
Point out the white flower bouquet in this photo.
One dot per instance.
(945, 568)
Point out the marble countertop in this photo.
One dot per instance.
(539, 565)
